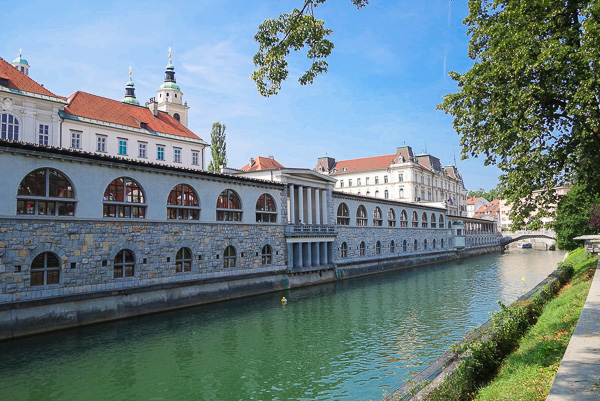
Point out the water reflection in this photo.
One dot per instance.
(349, 340)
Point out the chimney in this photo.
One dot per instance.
(153, 106)
(251, 162)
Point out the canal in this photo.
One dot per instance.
(350, 340)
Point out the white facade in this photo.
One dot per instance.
(400, 178)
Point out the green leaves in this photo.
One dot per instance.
(530, 103)
(218, 151)
(291, 32)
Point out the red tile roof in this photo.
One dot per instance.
(86, 105)
(262, 163)
(366, 163)
(20, 81)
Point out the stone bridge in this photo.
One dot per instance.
(509, 237)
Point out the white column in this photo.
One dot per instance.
(309, 254)
(317, 206)
(317, 256)
(301, 203)
(324, 206)
(309, 219)
(291, 212)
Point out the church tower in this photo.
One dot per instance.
(170, 98)
(130, 92)
(21, 64)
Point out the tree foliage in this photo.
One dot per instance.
(490, 195)
(573, 214)
(293, 31)
(530, 103)
(218, 151)
(594, 220)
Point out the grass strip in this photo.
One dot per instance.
(528, 373)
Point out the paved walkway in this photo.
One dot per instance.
(578, 377)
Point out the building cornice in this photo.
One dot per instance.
(34, 95)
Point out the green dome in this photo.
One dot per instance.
(130, 100)
(20, 60)
(170, 85)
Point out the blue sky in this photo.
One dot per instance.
(386, 74)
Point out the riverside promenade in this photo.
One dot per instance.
(578, 377)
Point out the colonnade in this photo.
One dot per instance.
(310, 253)
(308, 205)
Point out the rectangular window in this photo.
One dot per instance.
(160, 153)
(142, 150)
(350, 183)
(400, 177)
(358, 181)
(101, 143)
(177, 155)
(341, 183)
(376, 180)
(43, 135)
(367, 181)
(123, 146)
(385, 179)
(195, 158)
(76, 140)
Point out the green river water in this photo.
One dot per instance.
(351, 340)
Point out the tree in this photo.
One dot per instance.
(572, 216)
(218, 150)
(293, 31)
(594, 220)
(490, 195)
(530, 103)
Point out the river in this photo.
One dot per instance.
(350, 340)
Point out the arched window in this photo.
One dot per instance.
(182, 203)
(361, 248)
(267, 255)
(229, 257)
(415, 246)
(344, 250)
(433, 221)
(378, 248)
(392, 246)
(361, 216)
(441, 221)
(377, 218)
(183, 260)
(415, 219)
(391, 218)
(9, 127)
(424, 220)
(425, 244)
(386, 194)
(124, 264)
(343, 215)
(45, 269)
(403, 219)
(404, 246)
(176, 115)
(124, 198)
(377, 193)
(266, 212)
(46, 192)
(401, 193)
(229, 207)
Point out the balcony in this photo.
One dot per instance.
(310, 230)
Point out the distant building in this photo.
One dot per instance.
(491, 212)
(473, 205)
(402, 176)
(505, 209)
(262, 163)
(154, 133)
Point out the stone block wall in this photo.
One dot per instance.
(87, 250)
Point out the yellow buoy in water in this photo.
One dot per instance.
(283, 301)
(523, 279)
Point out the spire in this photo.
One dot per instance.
(21, 64)
(170, 82)
(130, 92)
